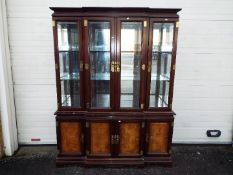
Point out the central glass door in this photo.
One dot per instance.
(130, 56)
(99, 58)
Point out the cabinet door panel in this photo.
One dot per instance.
(158, 134)
(159, 62)
(70, 137)
(100, 138)
(68, 37)
(129, 138)
(130, 59)
(99, 53)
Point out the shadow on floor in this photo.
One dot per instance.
(187, 160)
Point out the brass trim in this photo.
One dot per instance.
(86, 66)
(85, 22)
(145, 23)
(177, 24)
(143, 67)
(53, 23)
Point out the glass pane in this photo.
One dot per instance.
(161, 64)
(69, 63)
(131, 53)
(99, 51)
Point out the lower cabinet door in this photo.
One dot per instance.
(99, 138)
(71, 137)
(158, 137)
(129, 138)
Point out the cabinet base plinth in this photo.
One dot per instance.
(113, 162)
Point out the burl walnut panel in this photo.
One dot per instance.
(130, 138)
(158, 137)
(70, 137)
(100, 134)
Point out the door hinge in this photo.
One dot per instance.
(143, 124)
(142, 106)
(149, 66)
(177, 24)
(143, 67)
(174, 67)
(81, 66)
(145, 23)
(85, 23)
(86, 66)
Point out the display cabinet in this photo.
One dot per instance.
(115, 72)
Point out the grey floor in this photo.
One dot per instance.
(187, 160)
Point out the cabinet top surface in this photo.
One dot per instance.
(115, 9)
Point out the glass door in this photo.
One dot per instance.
(159, 63)
(99, 36)
(131, 38)
(68, 60)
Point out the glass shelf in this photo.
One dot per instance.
(165, 77)
(101, 76)
(161, 64)
(67, 76)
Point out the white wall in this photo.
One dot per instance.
(203, 96)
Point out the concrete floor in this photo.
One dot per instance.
(187, 160)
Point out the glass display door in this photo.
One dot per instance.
(68, 62)
(99, 49)
(159, 63)
(131, 58)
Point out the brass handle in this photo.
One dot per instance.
(117, 139)
(112, 139)
(118, 69)
(113, 66)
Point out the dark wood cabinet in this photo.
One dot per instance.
(115, 72)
